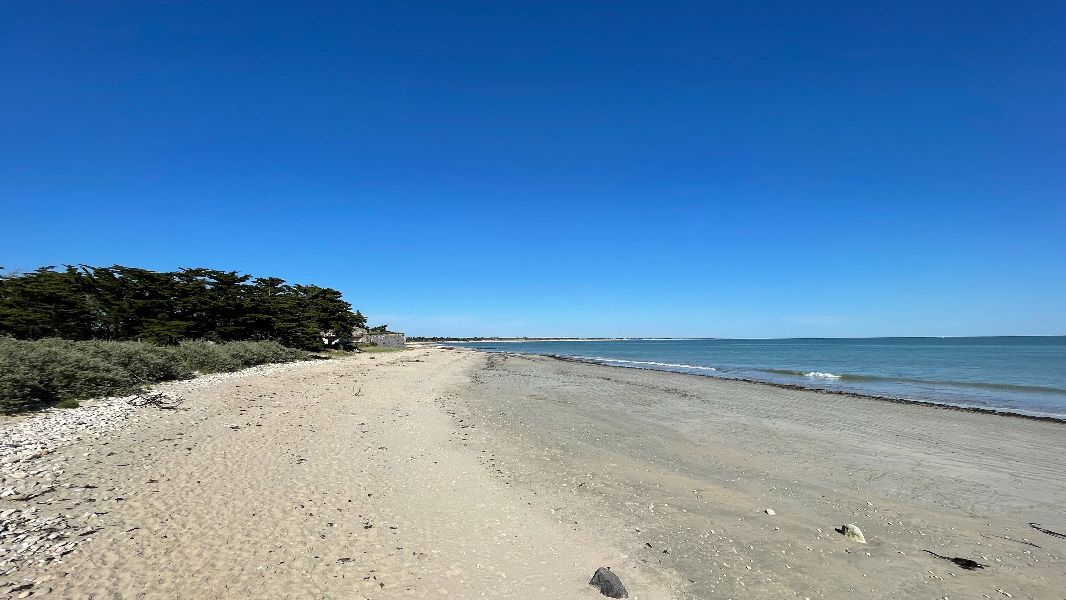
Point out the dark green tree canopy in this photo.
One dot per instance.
(126, 303)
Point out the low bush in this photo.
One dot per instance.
(205, 357)
(38, 373)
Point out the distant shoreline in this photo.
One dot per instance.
(511, 340)
(466, 340)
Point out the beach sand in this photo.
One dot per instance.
(450, 473)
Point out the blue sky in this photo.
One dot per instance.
(558, 168)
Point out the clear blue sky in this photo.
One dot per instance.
(558, 168)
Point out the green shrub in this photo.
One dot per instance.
(44, 371)
(145, 363)
(205, 357)
(41, 372)
(67, 404)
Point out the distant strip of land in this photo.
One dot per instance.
(534, 339)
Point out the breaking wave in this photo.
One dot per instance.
(650, 363)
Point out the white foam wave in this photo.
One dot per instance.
(821, 375)
(645, 362)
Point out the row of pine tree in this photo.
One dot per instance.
(126, 303)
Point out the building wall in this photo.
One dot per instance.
(388, 340)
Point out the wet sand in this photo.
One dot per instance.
(450, 473)
(688, 465)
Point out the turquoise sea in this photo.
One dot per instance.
(1016, 374)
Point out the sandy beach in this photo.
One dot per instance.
(454, 474)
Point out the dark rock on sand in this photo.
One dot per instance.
(608, 583)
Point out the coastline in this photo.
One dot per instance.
(944, 405)
(454, 473)
(820, 390)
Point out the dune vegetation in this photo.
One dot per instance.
(39, 373)
(83, 332)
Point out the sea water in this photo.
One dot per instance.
(1016, 374)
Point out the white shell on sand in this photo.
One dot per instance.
(853, 533)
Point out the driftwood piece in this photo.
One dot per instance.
(155, 399)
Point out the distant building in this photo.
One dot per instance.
(388, 339)
(360, 335)
(385, 339)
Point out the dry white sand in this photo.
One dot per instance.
(448, 473)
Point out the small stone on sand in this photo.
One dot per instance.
(608, 583)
